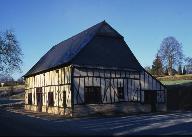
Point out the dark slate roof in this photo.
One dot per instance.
(66, 51)
(108, 52)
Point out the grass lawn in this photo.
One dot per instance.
(176, 82)
(18, 96)
(9, 87)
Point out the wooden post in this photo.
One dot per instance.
(110, 87)
(140, 88)
(45, 100)
(57, 71)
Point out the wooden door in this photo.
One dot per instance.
(39, 99)
(153, 101)
(151, 98)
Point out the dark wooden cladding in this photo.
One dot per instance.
(144, 80)
(110, 88)
(72, 87)
(127, 89)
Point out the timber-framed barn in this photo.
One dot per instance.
(92, 72)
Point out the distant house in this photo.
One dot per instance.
(92, 72)
(2, 84)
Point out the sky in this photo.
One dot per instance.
(41, 24)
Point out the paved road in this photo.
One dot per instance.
(4, 101)
(173, 123)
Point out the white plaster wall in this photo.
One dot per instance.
(130, 91)
(116, 82)
(50, 81)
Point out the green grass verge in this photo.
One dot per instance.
(18, 96)
(176, 82)
(16, 87)
(175, 77)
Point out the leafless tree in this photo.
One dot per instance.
(188, 61)
(10, 53)
(188, 64)
(171, 53)
(148, 69)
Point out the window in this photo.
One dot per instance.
(57, 71)
(39, 90)
(120, 92)
(92, 95)
(30, 98)
(147, 97)
(50, 99)
(39, 97)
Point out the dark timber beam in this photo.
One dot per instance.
(72, 88)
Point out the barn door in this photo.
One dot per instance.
(151, 98)
(39, 99)
(153, 101)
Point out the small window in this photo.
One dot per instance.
(50, 99)
(30, 98)
(120, 91)
(57, 71)
(92, 95)
(39, 90)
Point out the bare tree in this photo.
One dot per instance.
(188, 61)
(148, 69)
(171, 53)
(10, 53)
(20, 80)
(180, 70)
(188, 64)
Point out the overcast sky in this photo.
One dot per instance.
(40, 24)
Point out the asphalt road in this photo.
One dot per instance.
(177, 123)
(4, 101)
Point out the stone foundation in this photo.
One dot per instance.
(31, 107)
(91, 109)
(161, 107)
(51, 110)
(123, 108)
